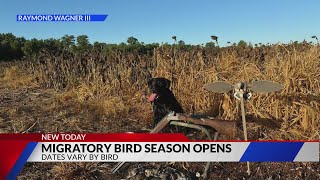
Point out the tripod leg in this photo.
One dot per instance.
(244, 124)
(117, 167)
(158, 128)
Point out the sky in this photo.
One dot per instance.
(193, 21)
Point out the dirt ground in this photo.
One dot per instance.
(36, 110)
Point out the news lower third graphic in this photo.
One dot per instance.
(62, 147)
(61, 17)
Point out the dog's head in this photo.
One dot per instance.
(158, 86)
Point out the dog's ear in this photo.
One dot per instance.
(163, 82)
(151, 83)
(167, 83)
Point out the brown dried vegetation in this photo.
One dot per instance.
(98, 93)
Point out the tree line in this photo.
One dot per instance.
(15, 48)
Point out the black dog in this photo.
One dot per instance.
(163, 99)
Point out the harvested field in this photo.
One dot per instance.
(93, 92)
